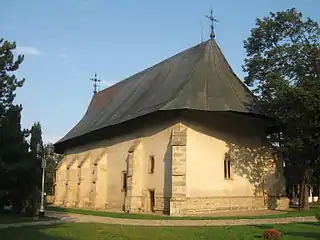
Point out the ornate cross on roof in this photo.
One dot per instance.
(212, 21)
(95, 83)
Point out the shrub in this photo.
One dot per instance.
(318, 216)
(272, 234)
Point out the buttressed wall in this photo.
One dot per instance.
(92, 176)
(200, 165)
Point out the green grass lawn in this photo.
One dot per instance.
(294, 213)
(83, 231)
(13, 218)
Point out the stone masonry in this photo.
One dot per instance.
(134, 195)
(179, 145)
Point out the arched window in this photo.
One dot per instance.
(227, 166)
(124, 181)
(151, 164)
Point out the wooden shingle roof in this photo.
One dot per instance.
(198, 78)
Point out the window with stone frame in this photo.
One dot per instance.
(151, 164)
(94, 173)
(124, 181)
(227, 167)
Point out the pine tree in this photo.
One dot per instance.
(37, 154)
(13, 147)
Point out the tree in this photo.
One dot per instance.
(283, 66)
(13, 146)
(19, 168)
(14, 158)
(37, 154)
(33, 171)
(8, 81)
(52, 160)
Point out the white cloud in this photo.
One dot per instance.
(27, 50)
(63, 55)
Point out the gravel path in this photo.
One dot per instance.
(70, 217)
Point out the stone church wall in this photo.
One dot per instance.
(100, 186)
(189, 169)
(255, 174)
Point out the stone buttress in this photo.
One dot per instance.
(179, 147)
(134, 192)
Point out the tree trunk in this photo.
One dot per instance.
(53, 184)
(304, 195)
(319, 193)
(16, 206)
(306, 198)
(1, 206)
(301, 193)
(304, 192)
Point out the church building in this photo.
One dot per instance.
(180, 138)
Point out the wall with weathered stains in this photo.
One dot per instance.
(188, 176)
(253, 168)
(105, 192)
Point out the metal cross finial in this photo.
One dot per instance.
(95, 81)
(212, 20)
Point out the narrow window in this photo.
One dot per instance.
(124, 181)
(151, 164)
(94, 173)
(227, 167)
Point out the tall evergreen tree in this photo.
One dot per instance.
(20, 173)
(8, 81)
(37, 154)
(14, 158)
(13, 147)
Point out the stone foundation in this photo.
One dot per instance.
(182, 206)
(283, 203)
(115, 206)
(162, 204)
(275, 203)
(50, 199)
(211, 204)
(77, 204)
(204, 205)
(136, 204)
(178, 206)
(101, 206)
(58, 202)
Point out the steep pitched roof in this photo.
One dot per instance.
(198, 78)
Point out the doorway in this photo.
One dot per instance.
(151, 200)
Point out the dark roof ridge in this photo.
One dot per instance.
(188, 79)
(198, 78)
(215, 59)
(154, 65)
(231, 70)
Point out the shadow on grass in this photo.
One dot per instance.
(300, 230)
(77, 231)
(317, 224)
(310, 235)
(264, 227)
(8, 218)
(36, 233)
(276, 214)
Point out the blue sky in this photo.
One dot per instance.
(66, 41)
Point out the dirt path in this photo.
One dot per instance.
(70, 217)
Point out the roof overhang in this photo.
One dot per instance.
(143, 121)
